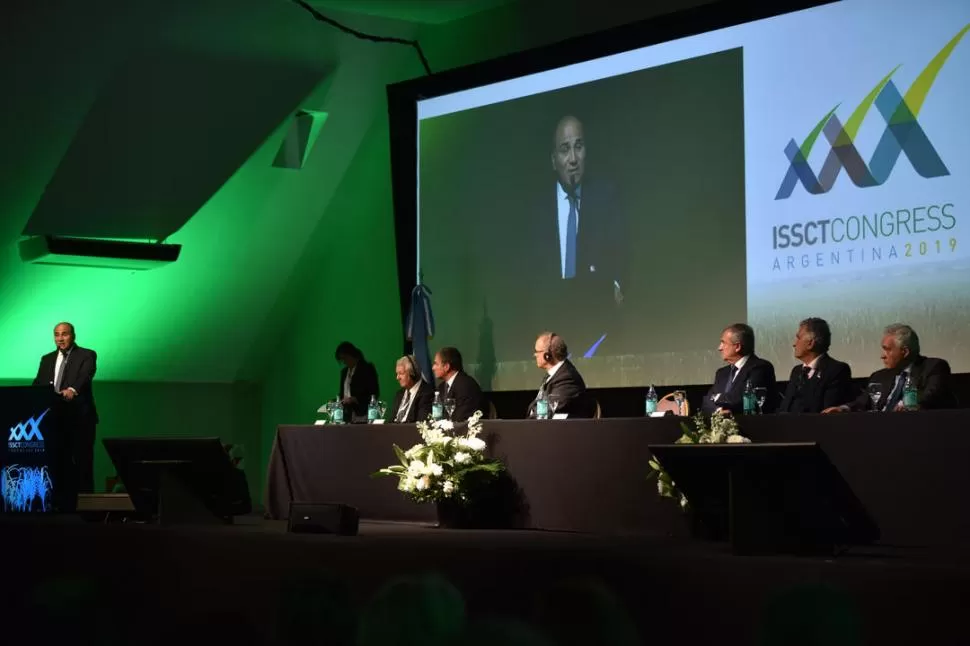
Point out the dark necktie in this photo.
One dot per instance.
(404, 406)
(734, 374)
(572, 224)
(897, 393)
(60, 371)
(805, 372)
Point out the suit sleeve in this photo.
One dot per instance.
(763, 376)
(85, 373)
(860, 403)
(838, 391)
(786, 399)
(936, 389)
(363, 385)
(568, 393)
(422, 403)
(41, 379)
(708, 406)
(468, 399)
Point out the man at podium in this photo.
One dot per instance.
(69, 370)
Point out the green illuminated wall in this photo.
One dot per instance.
(279, 265)
(184, 349)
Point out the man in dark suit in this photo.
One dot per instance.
(744, 366)
(582, 282)
(412, 403)
(819, 381)
(70, 370)
(358, 380)
(562, 382)
(901, 358)
(458, 385)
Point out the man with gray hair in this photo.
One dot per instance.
(412, 403)
(819, 381)
(737, 350)
(901, 358)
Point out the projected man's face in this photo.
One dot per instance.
(730, 351)
(892, 353)
(569, 152)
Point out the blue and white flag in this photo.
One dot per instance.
(420, 328)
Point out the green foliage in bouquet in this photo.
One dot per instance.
(723, 429)
(441, 467)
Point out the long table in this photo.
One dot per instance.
(910, 470)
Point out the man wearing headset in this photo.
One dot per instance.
(562, 381)
(412, 403)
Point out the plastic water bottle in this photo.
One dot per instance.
(373, 412)
(651, 404)
(542, 407)
(749, 401)
(437, 407)
(910, 395)
(338, 412)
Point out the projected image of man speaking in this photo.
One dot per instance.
(590, 239)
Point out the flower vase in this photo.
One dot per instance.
(452, 514)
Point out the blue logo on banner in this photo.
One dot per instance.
(28, 431)
(21, 487)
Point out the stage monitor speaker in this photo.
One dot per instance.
(323, 518)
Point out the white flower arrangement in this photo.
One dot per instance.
(437, 468)
(723, 430)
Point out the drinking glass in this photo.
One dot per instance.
(679, 398)
(760, 394)
(553, 403)
(450, 406)
(875, 394)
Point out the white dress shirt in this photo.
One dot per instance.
(737, 364)
(550, 372)
(58, 363)
(406, 405)
(350, 375)
(811, 366)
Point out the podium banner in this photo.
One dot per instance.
(35, 468)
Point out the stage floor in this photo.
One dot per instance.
(129, 576)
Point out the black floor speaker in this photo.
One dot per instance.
(323, 518)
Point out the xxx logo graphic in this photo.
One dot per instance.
(903, 135)
(29, 430)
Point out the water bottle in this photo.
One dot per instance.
(437, 407)
(542, 407)
(749, 401)
(910, 396)
(651, 404)
(373, 412)
(338, 412)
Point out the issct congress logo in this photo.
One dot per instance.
(903, 136)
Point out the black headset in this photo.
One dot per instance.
(547, 355)
(414, 373)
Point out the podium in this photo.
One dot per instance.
(37, 471)
(769, 498)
